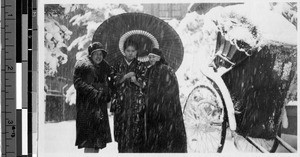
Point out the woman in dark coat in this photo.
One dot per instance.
(128, 103)
(91, 84)
(164, 120)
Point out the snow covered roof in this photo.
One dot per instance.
(254, 24)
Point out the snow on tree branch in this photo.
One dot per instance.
(55, 37)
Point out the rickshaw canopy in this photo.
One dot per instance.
(254, 24)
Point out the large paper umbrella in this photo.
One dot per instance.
(146, 30)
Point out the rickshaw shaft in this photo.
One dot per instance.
(260, 148)
(286, 145)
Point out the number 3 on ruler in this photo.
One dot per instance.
(10, 122)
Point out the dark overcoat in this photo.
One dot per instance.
(92, 95)
(164, 119)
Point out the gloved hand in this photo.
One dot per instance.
(99, 114)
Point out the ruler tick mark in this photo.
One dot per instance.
(10, 19)
(9, 125)
(8, 27)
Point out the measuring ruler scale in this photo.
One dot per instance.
(8, 80)
(16, 76)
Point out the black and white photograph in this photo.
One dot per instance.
(160, 78)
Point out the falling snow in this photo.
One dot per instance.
(197, 32)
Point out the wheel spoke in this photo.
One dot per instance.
(203, 116)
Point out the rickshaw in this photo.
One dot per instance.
(209, 108)
(232, 99)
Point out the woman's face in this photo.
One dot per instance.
(97, 56)
(153, 59)
(130, 53)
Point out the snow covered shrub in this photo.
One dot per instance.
(55, 38)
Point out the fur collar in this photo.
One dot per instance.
(84, 62)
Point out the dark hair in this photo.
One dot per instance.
(130, 43)
(162, 61)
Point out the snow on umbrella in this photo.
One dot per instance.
(147, 30)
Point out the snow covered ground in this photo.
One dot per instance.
(63, 143)
(59, 141)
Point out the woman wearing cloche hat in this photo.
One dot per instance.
(91, 81)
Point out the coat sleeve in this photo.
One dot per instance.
(168, 83)
(115, 77)
(173, 112)
(111, 79)
(117, 74)
(168, 93)
(141, 74)
(146, 80)
(110, 82)
(81, 84)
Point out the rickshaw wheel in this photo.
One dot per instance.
(243, 145)
(205, 120)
